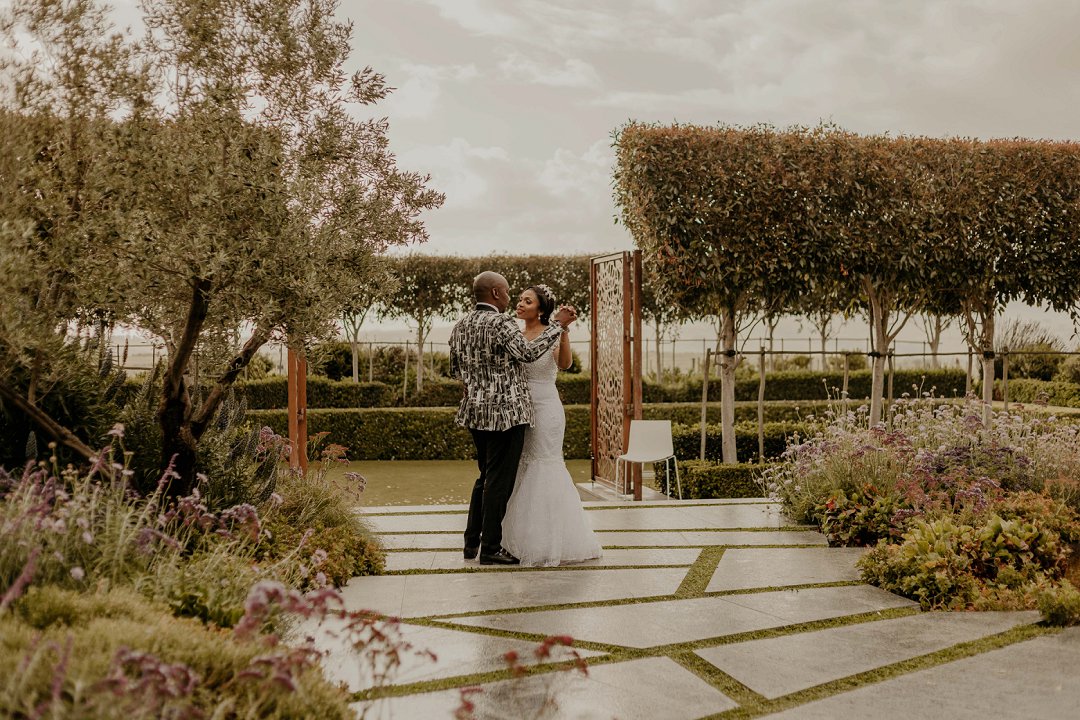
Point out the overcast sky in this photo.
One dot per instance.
(510, 104)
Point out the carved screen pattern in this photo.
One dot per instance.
(610, 374)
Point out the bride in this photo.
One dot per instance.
(545, 523)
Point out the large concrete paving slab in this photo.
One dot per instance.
(720, 517)
(1033, 679)
(449, 593)
(707, 538)
(748, 568)
(406, 509)
(704, 538)
(646, 689)
(426, 653)
(778, 666)
(673, 621)
(452, 560)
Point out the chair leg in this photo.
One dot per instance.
(617, 460)
(667, 478)
(678, 482)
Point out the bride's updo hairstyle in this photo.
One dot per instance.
(546, 299)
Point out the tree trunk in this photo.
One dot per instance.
(988, 366)
(420, 357)
(879, 325)
(55, 430)
(727, 386)
(177, 441)
(824, 348)
(355, 360)
(659, 354)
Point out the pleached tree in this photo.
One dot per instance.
(727, 221)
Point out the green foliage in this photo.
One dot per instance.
(76, 386)
(315, 513)
(59, 646)
(1069, 371)
(705, 480)
(858, 517)
(1060, 605)
(1035, 392)
(986, 562)
(273, 393)
(687, 440)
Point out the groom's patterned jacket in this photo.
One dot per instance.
(488, 353)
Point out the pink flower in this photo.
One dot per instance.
(77, 573)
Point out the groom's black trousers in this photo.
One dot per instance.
(497, 455)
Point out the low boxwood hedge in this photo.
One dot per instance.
(803, 386)
(706, 480)
(431, 434)
(1052, 392)
(687, 440)
(812, 385)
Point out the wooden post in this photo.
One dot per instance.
(1005, 377)
(704, 400)
(298, 459)
(761, 407)
(371, 362)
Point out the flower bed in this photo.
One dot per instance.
(958, 515)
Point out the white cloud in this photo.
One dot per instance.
(419, 94)
(581, 177)
(459, 169)
(574, 73)
(477, 16)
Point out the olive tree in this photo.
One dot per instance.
(247, 194)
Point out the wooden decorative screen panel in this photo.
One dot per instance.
(615, 311)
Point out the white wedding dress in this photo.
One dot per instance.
(545, 524)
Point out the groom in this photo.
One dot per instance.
(488, 354)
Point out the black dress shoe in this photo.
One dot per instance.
(500, 558)
(471, 552)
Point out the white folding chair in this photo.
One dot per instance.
(650, 441)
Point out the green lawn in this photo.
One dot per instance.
(426, 482)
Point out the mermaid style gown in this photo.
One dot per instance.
(545, 524)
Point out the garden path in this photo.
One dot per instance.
(698, 609)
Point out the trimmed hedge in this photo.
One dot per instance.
(430, 434)
(273, 393)
(1053, 392)
(812, 385)
(575, 389)
(383, 433)
(687, 440)
(707, 480)
(689, 413)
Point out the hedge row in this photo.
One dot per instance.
(706, 480)
(687, 440)
(430, 434)
(797, 385)
(1052, 392)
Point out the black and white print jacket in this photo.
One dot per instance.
(488, 353)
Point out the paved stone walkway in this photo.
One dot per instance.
(698, 609)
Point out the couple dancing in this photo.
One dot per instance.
(524, 506)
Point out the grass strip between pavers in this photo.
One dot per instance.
(887, 672)
(518, 568)
(700, 573)
(682, 653)
(596, 508)
(782, 528)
